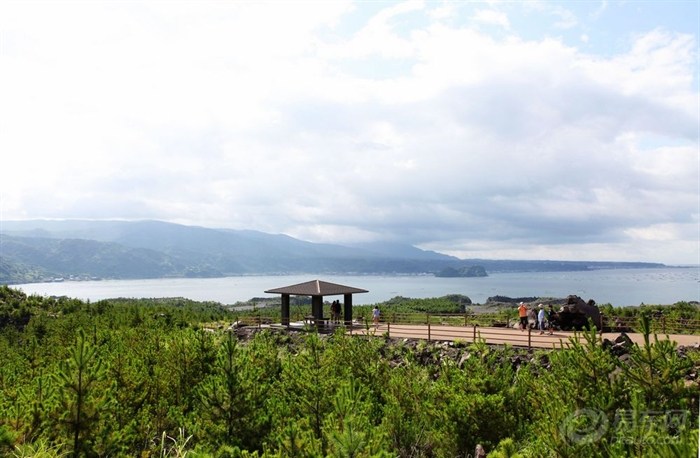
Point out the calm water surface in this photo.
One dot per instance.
(618, 287)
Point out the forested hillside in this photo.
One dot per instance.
(166, 378)
(154, 249)
(43, 250)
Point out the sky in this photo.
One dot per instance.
(496, 129)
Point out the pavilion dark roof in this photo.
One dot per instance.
(316, 288)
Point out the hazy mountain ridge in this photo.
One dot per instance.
(40, 250)
(85, 258)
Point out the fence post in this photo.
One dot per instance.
(388, 329)
(465, 319)
(529, 337)
(428, 330)
(474, 333)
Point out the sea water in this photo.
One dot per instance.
(619, 287)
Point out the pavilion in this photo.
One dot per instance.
(317, 289)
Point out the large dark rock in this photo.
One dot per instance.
(624, 340)
(576, 313)
(621, 345)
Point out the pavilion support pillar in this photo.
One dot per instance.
(347, 309)
(285, 309)
(317, 307)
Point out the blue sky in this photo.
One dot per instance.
(521, 130)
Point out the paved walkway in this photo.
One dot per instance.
(510, 336)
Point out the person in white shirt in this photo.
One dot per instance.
(540, 318)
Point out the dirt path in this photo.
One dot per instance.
(503, 336)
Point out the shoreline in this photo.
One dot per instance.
(619, 287)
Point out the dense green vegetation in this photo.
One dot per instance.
(678, 311)
(150, 378)
(465, 271)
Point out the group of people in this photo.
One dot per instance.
(335, 311)
(542, 319)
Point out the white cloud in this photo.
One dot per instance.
(378, 36)
(352, 121)
(492, 17)
(601, 9)
(563, 18)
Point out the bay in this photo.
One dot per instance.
(619, 287)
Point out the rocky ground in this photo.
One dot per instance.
(433, 352)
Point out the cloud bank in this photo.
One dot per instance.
(477, 130)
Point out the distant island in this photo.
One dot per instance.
(469, 271)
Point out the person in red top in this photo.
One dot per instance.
(522, 313)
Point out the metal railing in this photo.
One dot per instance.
(659, 324)
(496, 328)
(530, 338)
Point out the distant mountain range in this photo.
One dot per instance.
(41, 250)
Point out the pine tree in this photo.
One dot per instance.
(80, 399)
